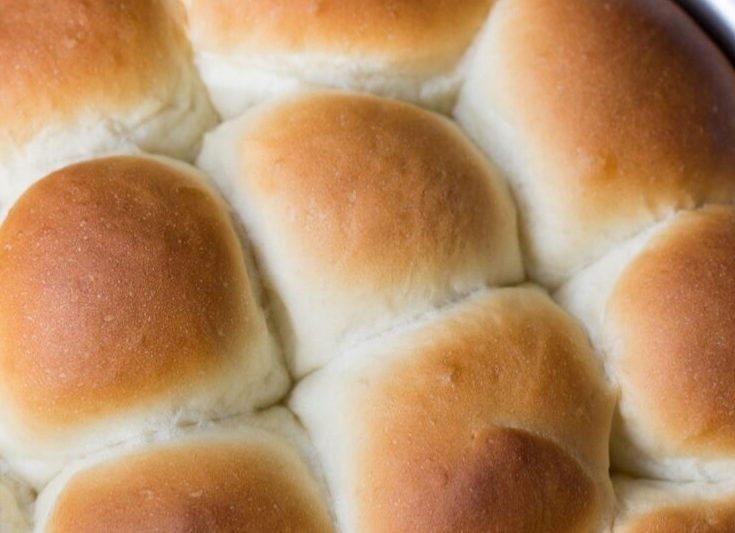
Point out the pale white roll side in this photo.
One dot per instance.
(15, 505)
(409, 50)
(646, 506)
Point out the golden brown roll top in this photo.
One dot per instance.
(607, 115)
(490, 416)
(124, 304)
(363, 212)
(82, 78)
(244, 480)
(657, 507)
(61, 57)
(411, 50)
(674, 314)
(662, 310)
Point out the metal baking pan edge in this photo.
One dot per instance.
(717, 18)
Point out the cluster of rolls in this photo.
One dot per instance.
(444, 267)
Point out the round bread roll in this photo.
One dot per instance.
(141, 336)
(125, 305)
(491, 416)
(83, 78)
(410, 50)
(607, 115)
(363, 212)
(662, 312)
(658, 507)
(224, 480)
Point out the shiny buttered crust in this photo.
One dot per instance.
(606, 115)
(491, 416)
(363, 212)
(411, 50)
(124, 299)
(245, 481)
(662, 313)
(659, 507)
(83, 78)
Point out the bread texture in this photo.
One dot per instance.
(607, 116)
(244, 479)
(82, 79)
(490, 416)
(363, 212)
(135, 271)
(660, 311)
(365, 266)
(12, 517)
(660, 507)
(410, 50)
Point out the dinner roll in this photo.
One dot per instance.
(362, 212)
(82, 78)
(662, 311)
(658, 507)
(125, 306)
(219, 480)
(410, 50)
(607, 115)
(490, 416)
